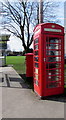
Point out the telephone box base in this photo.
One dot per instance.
(48, 94)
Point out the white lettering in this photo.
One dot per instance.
(52, 30)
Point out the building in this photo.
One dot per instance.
(3, 46)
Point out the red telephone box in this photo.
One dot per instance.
(48, 59)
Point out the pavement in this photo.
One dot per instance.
(18, 101)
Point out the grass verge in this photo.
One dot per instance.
(18, 63)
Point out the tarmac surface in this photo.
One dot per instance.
(18, 101)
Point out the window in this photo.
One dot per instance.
(36, 65)
(53, 72)
(36, 77)
(53, 65)
(36, 53)
(53, 59)
(52, 43)
(36, 47)
(36, 70)
(36, 41)
(36, 59)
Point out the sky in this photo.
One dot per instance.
(34, 0)
(15, 44)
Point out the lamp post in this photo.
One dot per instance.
(40, 11)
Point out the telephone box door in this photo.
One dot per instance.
(53, 64)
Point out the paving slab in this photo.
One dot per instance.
(18, 101)
(22, 103)
(8, 70)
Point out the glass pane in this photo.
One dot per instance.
(53, 78)
(59, 47)
(53, 52)
(58, 65)
(58, 58)
(36, 76)
(36, 47)
(50, 52)
(53, 65)
(53, 46)
(52, 85)
(36, 82)
(52, 43)
(52, 40)
(53, 81)
(52, 72)
(36, 70)
(58, 70)
(36, 59)
(36, 65)
(36, 41)
(49, 66)
(57, 52)
(53, 59)
(36, 52)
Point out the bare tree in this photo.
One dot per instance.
(20, 18)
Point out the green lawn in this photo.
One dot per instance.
(18, 63)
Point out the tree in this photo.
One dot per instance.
(20, 18)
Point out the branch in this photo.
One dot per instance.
(12, 32)
(13, 12)
(15, 29)
(31, 40)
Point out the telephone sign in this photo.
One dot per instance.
(52, 30)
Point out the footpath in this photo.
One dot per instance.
(18, 101)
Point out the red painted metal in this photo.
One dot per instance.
(29, 65)
(48, 59)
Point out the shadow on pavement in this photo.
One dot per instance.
(14, 82)
(25, 83)
(58, 98)
(28, 81)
